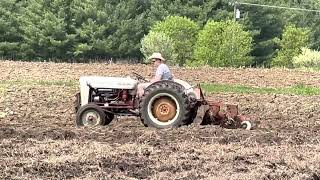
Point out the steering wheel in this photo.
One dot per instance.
(139, 77)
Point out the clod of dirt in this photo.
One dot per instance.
(6, 132)
(3, 115)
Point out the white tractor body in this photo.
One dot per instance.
(164, 104)
(104, 82)
(116, 83)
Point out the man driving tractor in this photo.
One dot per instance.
(162, 73)
(163, 102)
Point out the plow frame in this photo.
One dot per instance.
(220, 113)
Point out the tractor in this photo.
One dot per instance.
(165, 104)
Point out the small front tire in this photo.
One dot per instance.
(90, 115)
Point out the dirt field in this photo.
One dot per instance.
(40, 141)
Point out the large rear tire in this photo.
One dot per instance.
(90, 115)
(165, 105)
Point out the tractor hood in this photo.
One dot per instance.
(109, 82)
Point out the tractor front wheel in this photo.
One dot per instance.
(90, 115)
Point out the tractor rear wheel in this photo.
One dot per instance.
(90, 115)
(165, 105)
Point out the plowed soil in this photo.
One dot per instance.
(39, 139)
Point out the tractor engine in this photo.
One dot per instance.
(112, 96)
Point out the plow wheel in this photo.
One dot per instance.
(246, 125)
(164, 105)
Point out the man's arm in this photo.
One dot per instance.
(156, 78)
(158, 74)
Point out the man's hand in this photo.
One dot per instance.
(155, 79)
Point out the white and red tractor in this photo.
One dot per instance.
(165, 104)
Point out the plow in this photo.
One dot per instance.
(229, 118)
(165, 104)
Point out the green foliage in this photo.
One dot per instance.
(267, 24)
(199, 11)
(293, 39)
(223, 44)
(158, 42)
(108, 28)
(183, 33)
(89, 29)
(44, 28)
(10, 35)
(307, 59)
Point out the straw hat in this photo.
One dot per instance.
(156, 56)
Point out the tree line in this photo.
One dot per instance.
(103, 29)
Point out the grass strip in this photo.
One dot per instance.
(240, 89)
